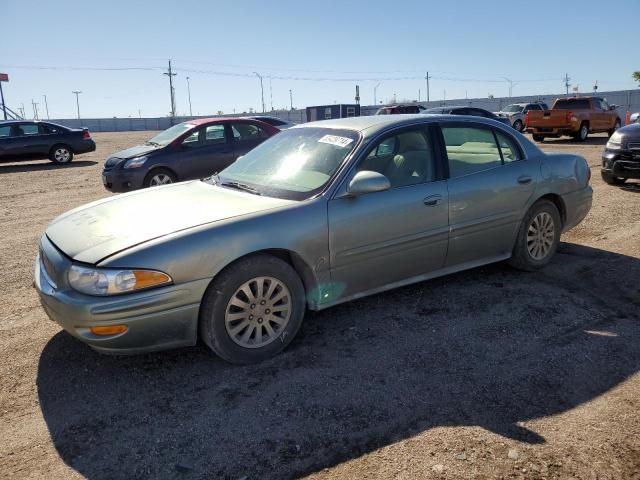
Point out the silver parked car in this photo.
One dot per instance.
(317, 215)
(516, 113)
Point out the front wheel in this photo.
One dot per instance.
(612, 179)
(538, 237)
(252, 310)
(538, 138)
(159, 176)
(518, 125)
(61, 154)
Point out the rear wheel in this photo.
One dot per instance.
(518, 125)
(538, 138)
(538, 237)
(583, 133)
(616, 126)
(612, 179)
(61, 154)
(252, 310)
(159, 176)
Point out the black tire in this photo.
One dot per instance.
(213, 328)
(612, 179)
(538, 138)
(521, 257)
(149, 180)
(61, 154)
(616, 126)
(518, 125)
(583, 133)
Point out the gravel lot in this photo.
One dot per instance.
(490, 373)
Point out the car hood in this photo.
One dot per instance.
(135, 151)
(100, 229)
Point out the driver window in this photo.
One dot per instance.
(405, 158)
(193, 139)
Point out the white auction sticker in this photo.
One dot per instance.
(336, 140)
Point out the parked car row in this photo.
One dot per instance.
(312, 217)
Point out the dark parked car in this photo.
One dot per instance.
(463, 110)
(20, 139)
(395, 109)
(193, 149)
(621, 156)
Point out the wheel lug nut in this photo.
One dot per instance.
(253, 305)
(260, 320)
(262, 302)
(250, 317)
(267, 311)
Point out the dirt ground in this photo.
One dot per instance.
(490, 373)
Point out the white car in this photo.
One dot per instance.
(516, 112)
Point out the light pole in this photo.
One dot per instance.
(375, 91)
(189, 94)
(170, 74)
(511, 84)
(261, 89)
(46, 106)
(77, 93)
(291, 98)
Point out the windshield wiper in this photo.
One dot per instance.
(241, 186)
(155, 144)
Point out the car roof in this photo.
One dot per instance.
(371, 124)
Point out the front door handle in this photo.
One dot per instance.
(432, 200)
(524, 179)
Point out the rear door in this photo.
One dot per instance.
(246, 136)
(205, 151)
(490, 182)
(381, 238)
(26, 139)
(6, 140)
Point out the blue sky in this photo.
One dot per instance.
(115, 51)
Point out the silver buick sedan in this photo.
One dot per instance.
(319, 214)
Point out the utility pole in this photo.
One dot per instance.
(77, 92)
(418, 95)
(375, 90)
(189, 93)
(291, 98)
(170, 74)
(46, 105)
(35, 109)
(22, 110)
(427, 79)
(261, 89)
(566, 82)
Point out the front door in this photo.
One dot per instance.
(382, 238)
(204, 152)
(490, 183)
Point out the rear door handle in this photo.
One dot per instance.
(524, 179)
(432, 200)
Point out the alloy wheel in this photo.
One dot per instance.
(540, 236)
(62, 155)
(160, 179)
(258, 312)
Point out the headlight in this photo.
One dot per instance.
(98, 281)
(135, 162)
(615, 141)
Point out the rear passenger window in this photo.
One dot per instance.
(247, 131)
(509, 149)
(470, 150)
(5, 131)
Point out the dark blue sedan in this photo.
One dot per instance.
(21, 139)
(464, 110)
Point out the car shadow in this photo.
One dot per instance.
(631, 186)
(15, 167)
(570, 141)
(492, 347)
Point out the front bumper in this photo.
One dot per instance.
(156, 319)
(622, 163)
(123, 180)
(577, 206)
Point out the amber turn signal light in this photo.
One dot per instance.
(109, 329)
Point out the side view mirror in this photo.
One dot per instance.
(368, 182)
(613, 107)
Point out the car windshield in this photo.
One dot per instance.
(170, 134)
(294, 164)
(513, 108)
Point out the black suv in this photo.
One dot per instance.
(621, 156)
(20, 139)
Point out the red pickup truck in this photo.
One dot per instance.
(576, 117)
